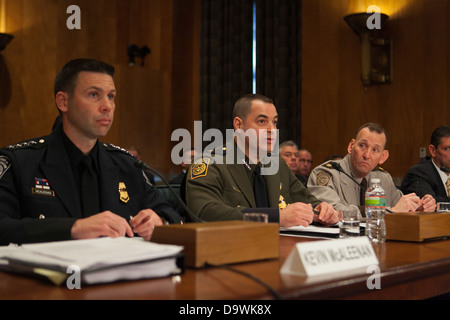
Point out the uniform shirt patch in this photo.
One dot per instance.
(323, 178)
(199, 168)
(4, 165)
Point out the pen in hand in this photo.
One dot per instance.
(131, 218)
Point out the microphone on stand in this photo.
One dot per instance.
(142, 165)
(338, 167)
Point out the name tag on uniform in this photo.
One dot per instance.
(42, 187)
(329, 256)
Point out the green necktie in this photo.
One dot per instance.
(260, 190)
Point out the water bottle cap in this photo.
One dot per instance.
(375, 180)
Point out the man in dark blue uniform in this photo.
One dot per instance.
(68, 185)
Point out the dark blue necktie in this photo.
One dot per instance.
(89, 188)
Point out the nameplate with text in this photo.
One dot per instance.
(329, 256)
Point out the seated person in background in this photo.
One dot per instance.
(68, 185)
(304, 164)
(188, 158)
(365, 153)
(289, 152)
(224, 190)
(432, 175)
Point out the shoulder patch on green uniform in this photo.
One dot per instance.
(199, 168)
(323, 178)
(4, 165)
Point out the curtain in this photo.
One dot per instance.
(278, 67)
(226, 59)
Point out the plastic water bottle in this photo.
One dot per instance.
(375, 211)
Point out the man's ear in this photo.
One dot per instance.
(62, 101)
(384, 157)
(432, 150)
(350, 146)
(237, 123)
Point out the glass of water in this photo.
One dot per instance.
(443, 207)
(349, 225)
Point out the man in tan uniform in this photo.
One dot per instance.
(365, 154)
(224, 191)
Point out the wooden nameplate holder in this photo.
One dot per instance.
(417, 226)
(223, 242)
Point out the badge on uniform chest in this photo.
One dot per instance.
(124, 197)
(42, 188)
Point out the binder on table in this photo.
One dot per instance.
(101, 260)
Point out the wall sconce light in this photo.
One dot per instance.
(135, 52)
(376, 52)
(5, 38)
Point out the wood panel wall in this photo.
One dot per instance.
(335, 103)
(144, 117)
(164, 95)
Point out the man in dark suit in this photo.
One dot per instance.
(432, 174)
(48, 193)
(224, 190)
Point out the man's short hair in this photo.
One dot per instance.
(243, 106)
(288, 143)
(66, 79)
(373, 127)
(438, 134)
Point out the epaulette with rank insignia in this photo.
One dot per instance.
(112, 147)
(219, 151)
(378, 168)
(35, 144)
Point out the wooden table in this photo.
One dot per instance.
(408, 271)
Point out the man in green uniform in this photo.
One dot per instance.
(219, 190)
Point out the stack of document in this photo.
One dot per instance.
(99, 260)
